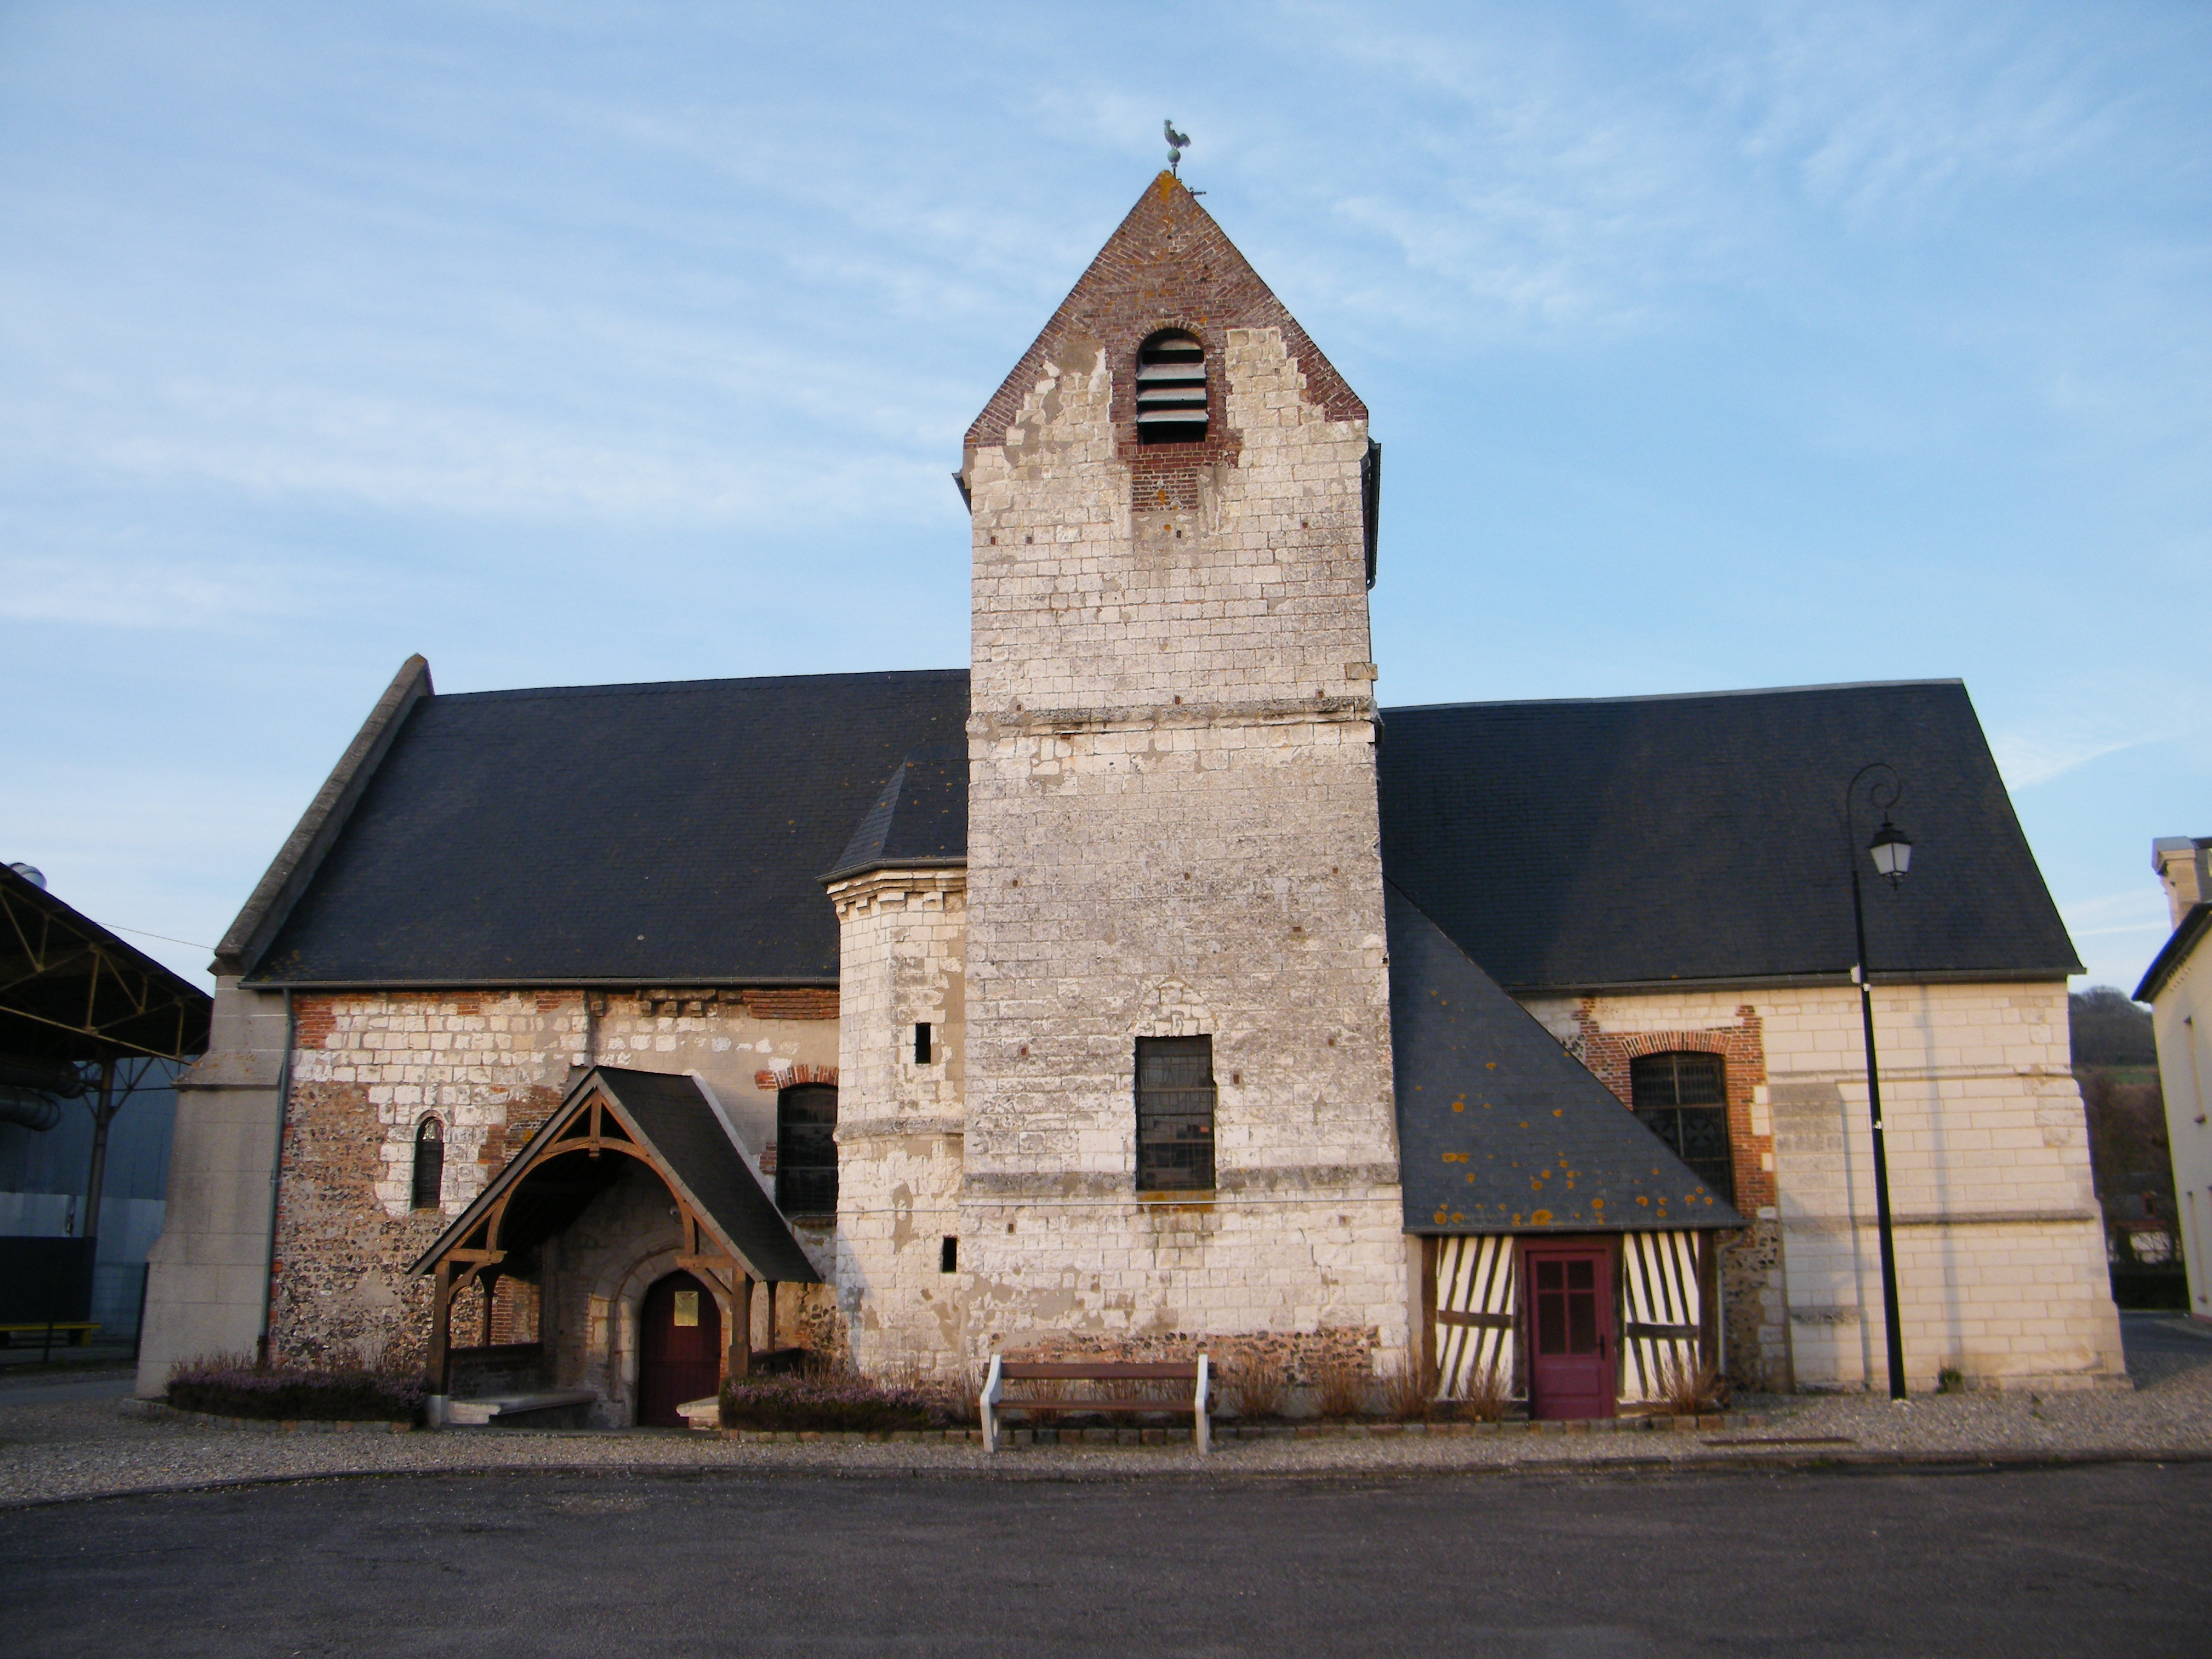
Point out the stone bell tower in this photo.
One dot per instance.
(1178, 1110)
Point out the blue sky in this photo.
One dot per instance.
(1711, 346)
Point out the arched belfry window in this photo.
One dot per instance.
(1683, 1099)
(1171, 388)
(429, 1164)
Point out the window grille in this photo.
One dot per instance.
(429, 1164)
(1683, 1099)
(806, 1150)
(1171, 389)
(1174, 1113)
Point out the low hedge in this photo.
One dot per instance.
(848, 1403)
(294, 1396)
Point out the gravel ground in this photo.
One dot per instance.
(85, 1448)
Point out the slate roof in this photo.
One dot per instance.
(678, 834)
(1651, 840)
(2175, 951)
(659, 834)
(920, 819)
(671, 1118)
(1499, 1128)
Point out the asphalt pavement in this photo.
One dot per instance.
(2106, 1558)
(51, 1387)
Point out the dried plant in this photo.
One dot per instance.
(1487, 1393)
(1686, 1387)
(1342, 1382)
(1259, 1386)
(229, 1385)
(1037, 1395)
(1407, 1388)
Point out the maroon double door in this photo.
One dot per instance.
(1571, 1346)
(680, 1349)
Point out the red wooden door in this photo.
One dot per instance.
(1571, 1337)
(679, 1350)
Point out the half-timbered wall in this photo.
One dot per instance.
(1476, 1313)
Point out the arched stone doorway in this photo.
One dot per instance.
(680, 1349)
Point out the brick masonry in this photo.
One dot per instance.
(1756, 1316)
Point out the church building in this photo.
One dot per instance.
(1146, 989)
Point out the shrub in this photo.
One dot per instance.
(1259, 1386)
(1687, 1387)
(231, 1387)
(1487, 1394)
(831, 1402)
(1341, 1385)
(1407, 1388)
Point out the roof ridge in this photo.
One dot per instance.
(640, 688)
(1674, 696)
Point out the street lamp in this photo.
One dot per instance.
(1891, 849)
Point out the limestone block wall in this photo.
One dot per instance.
(367, 1067)
(2000, 1245)
(1173, 830)
(2181, 1017)
(208, 1273)
(1085, 599)
(900, 1119)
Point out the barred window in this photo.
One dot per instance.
(806, 1149)
(429, 1164)
(1174, 1113)
(1683, 1099)
(1171, 389)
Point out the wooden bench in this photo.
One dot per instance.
(79, 1330)
(1196, 1373)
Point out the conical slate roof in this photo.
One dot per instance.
(920, 818)
(1499, 1128)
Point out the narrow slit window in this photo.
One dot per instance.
(806, 1150)
(1171, 393)
(429, 1164)
(921, 1043)
(1683, 1099)
(1174, 1113)
(948, 1255)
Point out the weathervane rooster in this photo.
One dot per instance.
(1177, 143)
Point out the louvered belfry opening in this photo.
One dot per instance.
(1171, 389)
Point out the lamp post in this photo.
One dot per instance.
(1891, 849)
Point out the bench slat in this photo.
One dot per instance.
(1166, 1408)
(1014, 1370)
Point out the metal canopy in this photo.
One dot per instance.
(72, 991)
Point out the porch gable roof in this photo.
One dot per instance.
(679, 1135)
(1500, 1129)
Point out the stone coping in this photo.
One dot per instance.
(1712, 1421)
(157, 1411)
